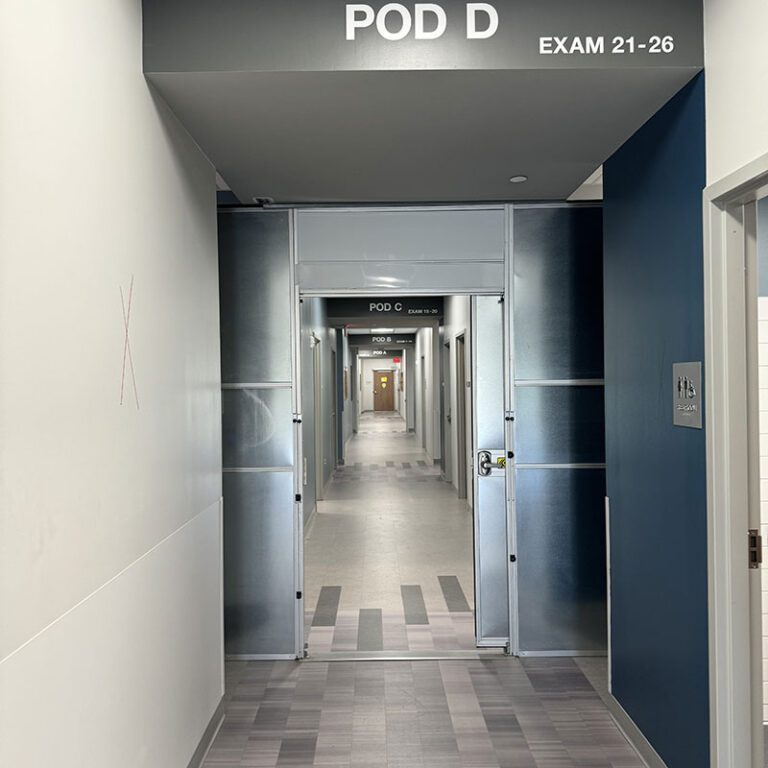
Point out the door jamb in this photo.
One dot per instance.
(387, 371)
(298, 296)
(733, 731)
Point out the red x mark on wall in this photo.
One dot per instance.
(127, 356)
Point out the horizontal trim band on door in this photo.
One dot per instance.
(426, 655)
(556, 654)
(560, 382)
(260, 657)
(260, 385)
(564, 204)
(314, 207)
(245, 470)
(438, 262)
(560, 466)
(387, 292)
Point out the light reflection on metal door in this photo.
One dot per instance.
(490, 484)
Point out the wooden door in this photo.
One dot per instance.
(383, 390)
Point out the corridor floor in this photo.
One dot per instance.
(389, 567)
(388, 556)
(483, 713)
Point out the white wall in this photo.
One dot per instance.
(110, 530)
(426, 341)
(350, 406)
(314, 321)
(736, 59)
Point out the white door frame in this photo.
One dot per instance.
(735, 731)
(299, 294)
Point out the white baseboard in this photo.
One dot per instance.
(204, 747)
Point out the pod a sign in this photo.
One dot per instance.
(422, 21)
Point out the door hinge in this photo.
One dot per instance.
(298, 595)
(754, 548)
(298, 497)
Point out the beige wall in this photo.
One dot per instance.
(425, 398)
(110, 585)
(737, 84)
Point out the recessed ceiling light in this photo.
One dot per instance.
(519, 179)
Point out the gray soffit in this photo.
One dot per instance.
(284, 115)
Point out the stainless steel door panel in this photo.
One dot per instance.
(410, 235)
(259, 590)
(257, 428)
(560, 425)
(490, 486)
(260, 521)
(488, 379)
(561, 565)
(492, 591)
(558, 304)
(254, 275)
(400, 277)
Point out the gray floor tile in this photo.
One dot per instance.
(370, 632)
(454, 595)
(327, 607)
(413, 604)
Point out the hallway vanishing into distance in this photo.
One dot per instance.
(482, 713)
(388, 555)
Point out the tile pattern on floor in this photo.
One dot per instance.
(485, 713)
(412, 628)
(388, 523)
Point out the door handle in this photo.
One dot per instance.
(491, 463)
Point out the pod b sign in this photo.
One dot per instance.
(425, 21)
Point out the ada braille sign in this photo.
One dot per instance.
(686, 395)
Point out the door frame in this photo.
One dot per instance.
(734, 590)
(390, 372)
(462, 452)
(298, 296)
(319, 426)
(301, 651)
(423, 400)
(446, 415)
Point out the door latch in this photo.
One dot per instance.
(491, 463)
(754, 548)
(484, 463)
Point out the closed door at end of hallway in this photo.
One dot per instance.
(383, 391)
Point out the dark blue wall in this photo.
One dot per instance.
(654, 316)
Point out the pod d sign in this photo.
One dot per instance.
(425, 21)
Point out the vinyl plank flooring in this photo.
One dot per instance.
(370, 630)
(486, 713)
(454, 595)
(327, 607)
(413, 604)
